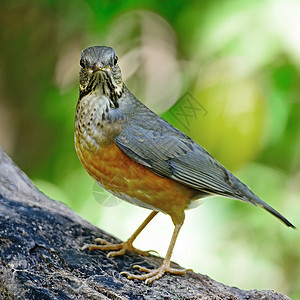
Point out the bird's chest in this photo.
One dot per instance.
(132, 182)
(96, 124)
(114, 171)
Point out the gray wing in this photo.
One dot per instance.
(166, 151)
(157, 145)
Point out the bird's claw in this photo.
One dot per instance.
(117, 249)
(154, 274)
(102, 241)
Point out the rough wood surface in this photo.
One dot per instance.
(40, 256)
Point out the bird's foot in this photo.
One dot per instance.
(154, 274)
(117, 249)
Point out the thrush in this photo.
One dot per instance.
(140, 158)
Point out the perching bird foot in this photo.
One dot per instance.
(118, 249)
(154, 274)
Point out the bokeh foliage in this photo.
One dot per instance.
(239, 60)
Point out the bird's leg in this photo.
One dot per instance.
(155, 274)
(121, 248)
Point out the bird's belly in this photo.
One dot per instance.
(134, 183)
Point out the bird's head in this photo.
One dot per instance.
(100, 73)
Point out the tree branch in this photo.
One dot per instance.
(41, 256)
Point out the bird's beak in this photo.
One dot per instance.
(100, 67)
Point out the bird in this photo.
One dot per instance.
(137, 156)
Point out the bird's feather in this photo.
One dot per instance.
(168, 152)
(159, 146)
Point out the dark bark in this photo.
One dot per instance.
(41, 256)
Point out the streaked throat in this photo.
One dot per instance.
(102, 83)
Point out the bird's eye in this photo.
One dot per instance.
(115, 60)
(82, 63)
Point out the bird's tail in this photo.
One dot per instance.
(270, 209)
(245, 194)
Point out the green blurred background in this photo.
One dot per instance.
(234, 65)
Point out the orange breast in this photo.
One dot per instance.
(116, 172)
